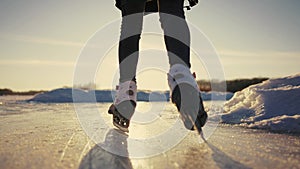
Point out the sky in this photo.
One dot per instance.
(40, 41)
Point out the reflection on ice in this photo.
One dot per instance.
(155, 127)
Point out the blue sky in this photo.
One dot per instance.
(40, 40)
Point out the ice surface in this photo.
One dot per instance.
(273, 105)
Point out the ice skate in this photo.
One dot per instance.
(185, 94)
(124, 105)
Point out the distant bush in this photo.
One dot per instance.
(10, 92)
(204, 85)
(231, 85)
(5, 92)
(240, 84)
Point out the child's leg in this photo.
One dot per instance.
(131, 28)
(125, 101)
(182, 83)
(173, 24)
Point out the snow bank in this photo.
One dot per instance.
(273, 105)
(68, 95)
(55, 96)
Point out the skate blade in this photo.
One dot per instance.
(202, 137)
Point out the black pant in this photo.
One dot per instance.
(177, 43)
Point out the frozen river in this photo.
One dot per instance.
(63, 136)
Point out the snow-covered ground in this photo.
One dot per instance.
(273, 105)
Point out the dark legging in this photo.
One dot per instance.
(177, 43)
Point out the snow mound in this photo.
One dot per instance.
(69, 95)
(56, 96)
(273, 105)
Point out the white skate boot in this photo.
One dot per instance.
(124, 105)
(185, 94)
